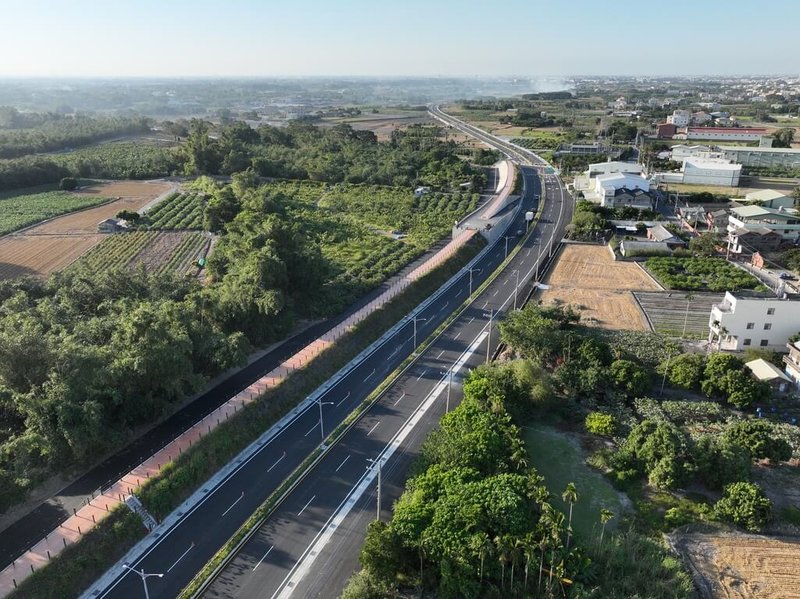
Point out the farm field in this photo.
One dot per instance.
(587, 277)
(156, 251)
(699, 273)
(667, 311)
(178, 211)
(55, 244)
(743, 566)
(19, 211)
(22, 255)
(132, 195)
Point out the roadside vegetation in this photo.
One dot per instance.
(600, 390)
(74, 570)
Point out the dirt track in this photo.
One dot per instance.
(587, 277)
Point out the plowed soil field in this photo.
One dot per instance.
(587, 277)
(57, 243)
(743, 566)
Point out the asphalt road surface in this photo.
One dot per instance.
(309, 546)
(183, 549)
(28, 530)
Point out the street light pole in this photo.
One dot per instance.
(449, 374)
(507, 237)
(472, 270)
(516, 288)
(144, 576)
(489, 338)
(415, 319)
(321, 428)
(380, 467)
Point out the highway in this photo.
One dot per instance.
(308, 547)
(182, 549)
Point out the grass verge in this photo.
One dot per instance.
(80, 564)
(84, 562)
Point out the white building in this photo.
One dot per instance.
(585, 182)
(768, 198)
(784, 221)
(726, 133)
(607, 168)
(680, 118)
(792, 362)
(711, 171)
(606, 188)
(745, 320)
(681, 151)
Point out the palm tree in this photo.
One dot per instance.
(517, 546)
(570, 496)
(503, 554)
(530, 550)
(605, 516)
(482, 546)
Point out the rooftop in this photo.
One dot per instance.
(765, 150)
(660, 232)
(760, 130)
(756, 211)
(766, 371)
(719, 164)
(764, 195)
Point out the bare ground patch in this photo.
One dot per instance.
(735, 566)
(587, 277)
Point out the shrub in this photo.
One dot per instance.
(760, 439)
(630, 377)
(68, 183)
(744, 504)
(684, 371)
(598, 423)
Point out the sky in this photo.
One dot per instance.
(196, 38)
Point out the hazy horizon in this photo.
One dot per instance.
(209, 39)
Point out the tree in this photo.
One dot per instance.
(630, 377)
(129, 215)
(717, 366)
(570, 496)
(68, 183)
(660, 448)
(720, 461)
(685, 371)
(783, 138)
(760, 438)
(705, 244)
(598, 423)
(744, 504)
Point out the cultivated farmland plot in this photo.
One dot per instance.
(178, 211)
(668, 310)
(155, 251)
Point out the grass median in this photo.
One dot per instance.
(77, 567)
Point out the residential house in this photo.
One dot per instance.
(759, 239)
(679, 118)
(767, 372)
(792, 362)
(783, 221)
(716, 219)
(661, 234)
(112, 225)
(769, 198)
(748, 319)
